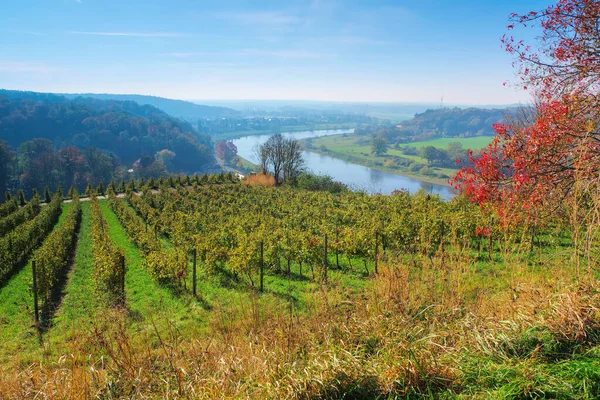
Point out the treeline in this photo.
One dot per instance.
(277, 124)
(53, 141)
(443, 122)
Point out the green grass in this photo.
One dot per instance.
(17, 329)
(357, 149)
(474, 143)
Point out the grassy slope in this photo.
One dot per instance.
(17, 331)
(347, 147)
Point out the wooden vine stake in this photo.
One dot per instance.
(194, 271)
(376, 252)
(35, 293)
(325, 259)
(261, 266)
(123, 277)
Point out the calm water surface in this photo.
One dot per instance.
(354, 175)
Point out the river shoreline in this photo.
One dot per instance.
(355, 175)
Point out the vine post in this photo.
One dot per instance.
(35, 293)
(123, 277)
(376, 252)
(261, 266)
(194, 271)
(325, 258)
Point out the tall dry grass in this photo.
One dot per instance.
(410, 331)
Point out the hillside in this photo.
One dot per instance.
(185, 110)
(321, 297)
(451, 122)
(125, 132)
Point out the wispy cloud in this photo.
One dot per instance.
(284, 53)
(188, 54)
(259, 17)
(25, 32)
(279, 53)
(24, 67)
(132, 34)
(358, 40)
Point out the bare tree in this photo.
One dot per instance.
(282, 157)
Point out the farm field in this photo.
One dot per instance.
(357, 149)
(298, 295)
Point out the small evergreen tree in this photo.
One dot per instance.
(141, 182)
(89, 191)
(121, 187)
(112, 186)
(34, 193)
(72, 193)
(151, 183)
(7, 196)
(100, 189)
(131, 185)
(21, 197)
(47, 195)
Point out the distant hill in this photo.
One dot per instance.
(452, 122)
(39, 126)
(185, 110)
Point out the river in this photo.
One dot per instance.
(355, 176)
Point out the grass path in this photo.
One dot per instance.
(145, 297)
(17, 331)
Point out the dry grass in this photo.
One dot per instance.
(260, 179)
(413, 331)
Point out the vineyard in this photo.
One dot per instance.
(205, 287)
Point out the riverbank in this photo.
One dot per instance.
(353, 174)
(355, 149)
(396, 171)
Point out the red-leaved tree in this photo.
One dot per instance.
(550, 152)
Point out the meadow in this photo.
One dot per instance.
(357, 149)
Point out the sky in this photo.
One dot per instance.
(355, 51)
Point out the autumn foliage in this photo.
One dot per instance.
(260, 179)
(550, 152)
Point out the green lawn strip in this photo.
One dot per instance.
(79, 306)
(17, 331)
(146, 298)
(345, 147)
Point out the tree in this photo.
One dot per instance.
(21, 197)
(226, 151)
(101, 165)
(6, 161)
(550, 151)
(166, 157)
(379, 146)
(281, 156)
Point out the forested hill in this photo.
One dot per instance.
(125, 131)
(178, 108)
(452, 122)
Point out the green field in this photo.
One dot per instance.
(357, 149)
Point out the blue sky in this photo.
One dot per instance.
(306, 50)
